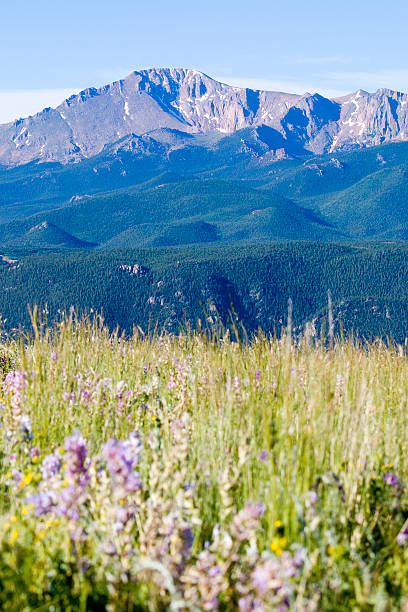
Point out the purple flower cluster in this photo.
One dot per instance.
(67, 501)
(269, 586)
(402, 537)
(246, 521)
(76, 471)
(51, 466)
(122, 457)
(14, 384)
(16, 477)
(43, 503)
(392, 480)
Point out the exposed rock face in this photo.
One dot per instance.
(191, 102)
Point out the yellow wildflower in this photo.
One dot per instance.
(28, 479)
(275, 546)
(14, 534)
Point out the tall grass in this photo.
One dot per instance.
(317, 436)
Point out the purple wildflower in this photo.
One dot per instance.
(171, 384)
(15, 382)
(311, 499)
(34, 452)
(68, 503)
(261, 576)
(16, 476)
(121, 458)
(402, 537)
(75, 458)
(50, 466)
(42, 502)
(391, 479)
(257, 374)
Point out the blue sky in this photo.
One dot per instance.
(49, 49)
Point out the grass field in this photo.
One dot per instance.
(197, 473)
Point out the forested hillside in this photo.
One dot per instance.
(169, 287)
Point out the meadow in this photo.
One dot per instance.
(193, 472)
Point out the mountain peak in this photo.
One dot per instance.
(188, 101)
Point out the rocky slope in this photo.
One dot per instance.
(191, 102)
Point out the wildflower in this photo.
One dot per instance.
(26, 427)
(16, 477)
(34, 452)
(42, 503)
(68, 397)
(269, 587)
(121, 458)
(246, 522)
(311, 499)
(257, 374)
(53, 356)
(391, 479)
(171, 384)
(69, 501)
(75, 455)
(50, 466)
(264, 456)
(14, 383)
(14, 534)
(402, 537)
(339, 380)
(277, 545)
(28, 478)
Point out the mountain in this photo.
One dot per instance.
(188, 102)
(46, 235)
(180, 212)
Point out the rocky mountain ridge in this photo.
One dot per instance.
(190, 102)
